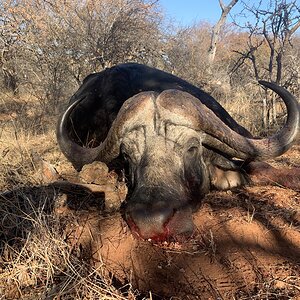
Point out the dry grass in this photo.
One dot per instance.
(36, 260)
(24, 130)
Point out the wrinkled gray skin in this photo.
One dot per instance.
(176, 140)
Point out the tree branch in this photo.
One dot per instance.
(217, 29)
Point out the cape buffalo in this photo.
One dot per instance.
(176, 140)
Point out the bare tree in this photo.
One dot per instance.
(269, 41)
(55, 44)
(186, 51)
(10, 39)
(217, 29)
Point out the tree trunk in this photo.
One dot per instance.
(217, 29)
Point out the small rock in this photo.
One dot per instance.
(48, 172)
(44, 170)
(112, 178)
(95, 172)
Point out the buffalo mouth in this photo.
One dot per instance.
(158, 219)
(178, 228)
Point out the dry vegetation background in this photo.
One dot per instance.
(47, 48)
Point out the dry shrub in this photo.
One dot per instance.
(245, 105)
(25, 132)
(244, 108)
(17, 151)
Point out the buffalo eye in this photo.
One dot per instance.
(192, 150)
(192, 147)
(126, 156)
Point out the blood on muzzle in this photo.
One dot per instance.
(159, 220)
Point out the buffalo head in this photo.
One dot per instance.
(176, 149)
